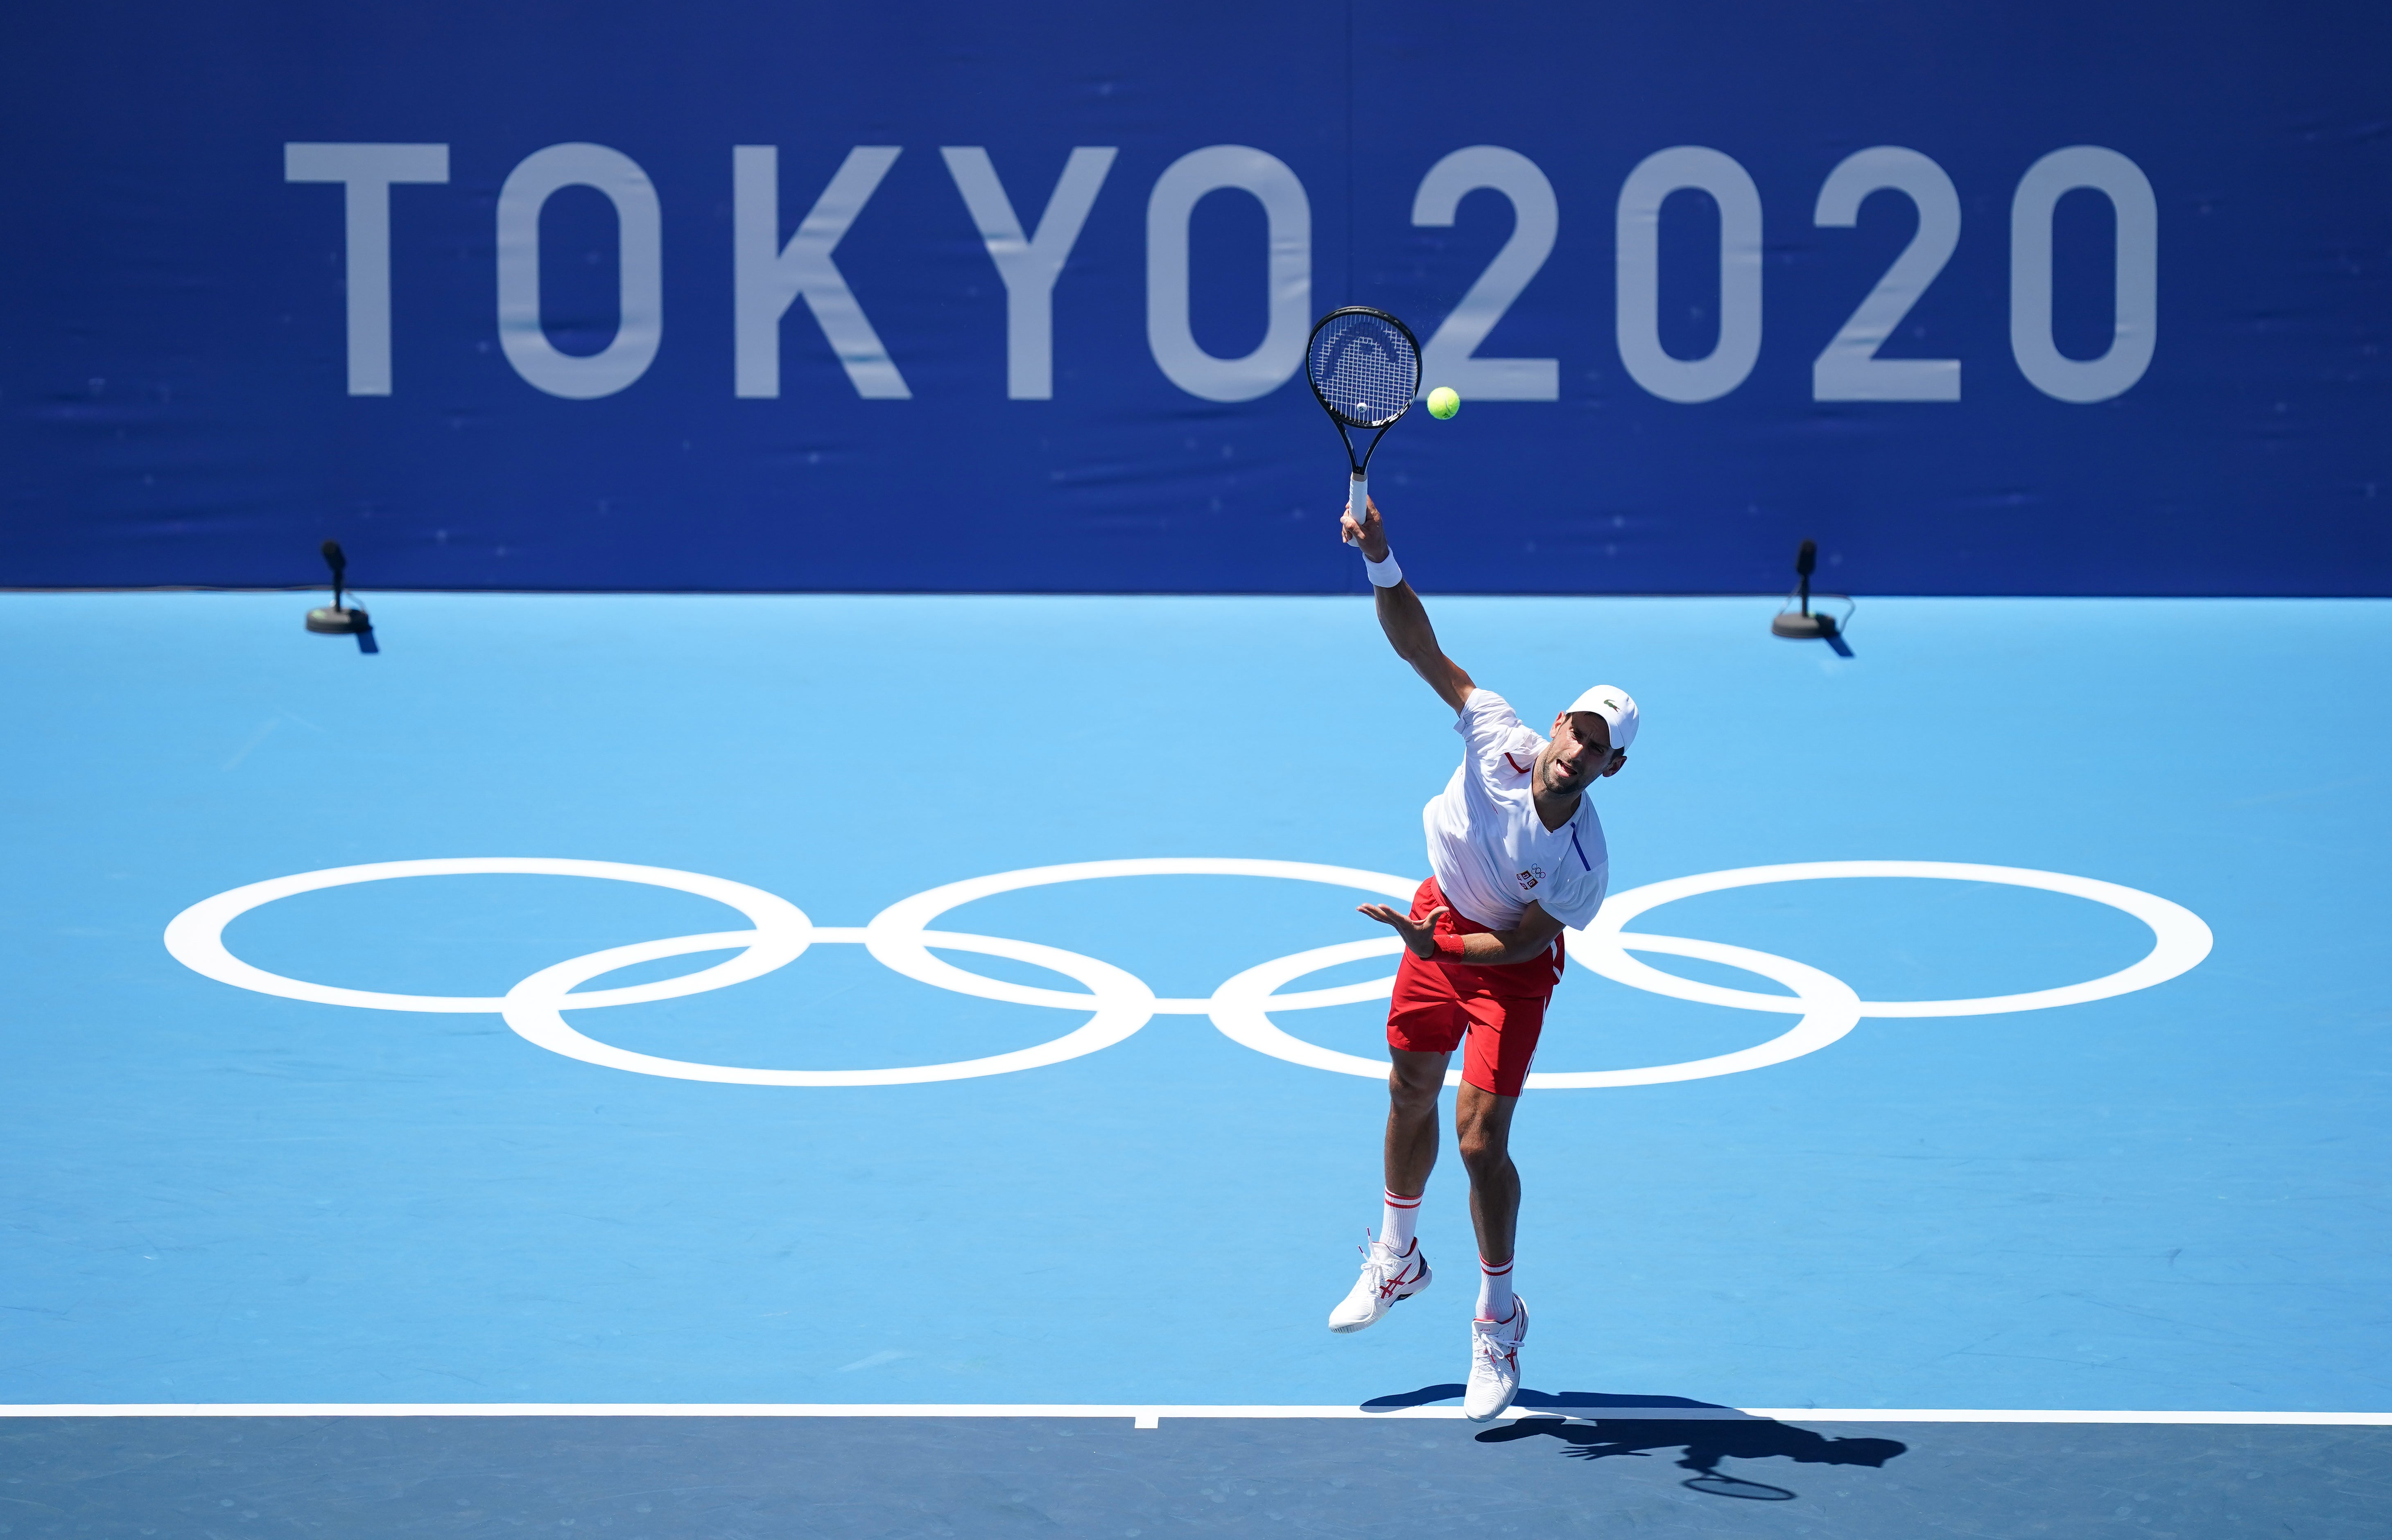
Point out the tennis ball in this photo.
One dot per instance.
(1443, 403)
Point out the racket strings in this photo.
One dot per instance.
(1365, 372)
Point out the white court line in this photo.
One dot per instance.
(1149, 1417)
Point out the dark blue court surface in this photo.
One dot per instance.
(1992, 1023)
(639, 1478)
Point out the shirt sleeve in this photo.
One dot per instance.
(1497, 745)
(1574, 903)
(1487, 721)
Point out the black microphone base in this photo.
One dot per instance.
(1803, 627)
(327, 620)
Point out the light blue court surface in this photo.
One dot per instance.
(2174, 1199)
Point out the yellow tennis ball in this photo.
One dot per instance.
(1443, 403)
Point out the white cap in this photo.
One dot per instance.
(1614, 706)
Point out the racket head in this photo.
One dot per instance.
(1364, 366)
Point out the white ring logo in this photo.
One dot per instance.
(1120, 1002)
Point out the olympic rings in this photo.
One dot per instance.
(1119, 1003)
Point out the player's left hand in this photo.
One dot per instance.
(1420, 937)
(1371, 534)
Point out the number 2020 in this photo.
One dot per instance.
(1848, 368)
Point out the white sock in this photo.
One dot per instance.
(1397, 1222)
(1494, 1290)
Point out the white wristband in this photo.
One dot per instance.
(1383, 574)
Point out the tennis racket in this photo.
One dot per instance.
(1365, 368)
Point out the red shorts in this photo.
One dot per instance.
(1501, 1010)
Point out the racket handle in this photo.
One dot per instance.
(1357, 499)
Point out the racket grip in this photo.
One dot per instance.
(1357, 499)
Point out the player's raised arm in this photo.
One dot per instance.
(1401, 615)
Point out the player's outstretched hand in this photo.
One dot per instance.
(1420, 938)
(1370, 533)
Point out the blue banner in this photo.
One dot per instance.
(2034, 298)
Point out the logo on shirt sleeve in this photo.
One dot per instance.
(1529, 878)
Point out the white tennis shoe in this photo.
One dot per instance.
(1386, 1277)
(1495, 1364)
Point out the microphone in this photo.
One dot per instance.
(1801, 625)
(335, 619)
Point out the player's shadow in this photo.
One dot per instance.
(1716, 1433)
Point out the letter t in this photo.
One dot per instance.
(367, 171)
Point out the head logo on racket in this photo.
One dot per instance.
(1365, 368)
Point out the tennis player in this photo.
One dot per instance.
(1516, 854)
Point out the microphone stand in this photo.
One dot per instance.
(335, 620)
(1801, 625)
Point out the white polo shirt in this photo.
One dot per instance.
(1491, 853)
